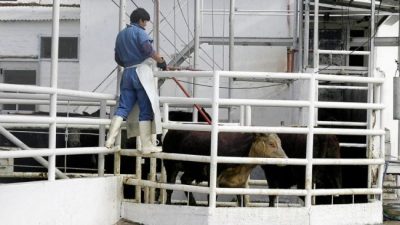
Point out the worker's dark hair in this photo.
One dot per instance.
(139, 14)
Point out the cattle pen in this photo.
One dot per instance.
(321, 184)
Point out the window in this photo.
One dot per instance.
(19, 77)
(68, 47)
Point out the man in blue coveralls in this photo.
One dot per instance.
(133, 51)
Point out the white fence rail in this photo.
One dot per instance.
(216, 102)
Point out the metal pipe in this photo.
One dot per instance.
(231, 51)
(51, 90)
(370, 94)
(54, 80)
(54, 151)
(197, 31)
(306, 34)
(23, 146)
(46, 119)
(102, 135)
(343, 52)
(214, 143)
(301, 37)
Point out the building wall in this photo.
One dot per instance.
(20, 49)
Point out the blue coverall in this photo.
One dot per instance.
(132, 47)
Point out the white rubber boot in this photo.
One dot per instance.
(145, 138)
(113, 131)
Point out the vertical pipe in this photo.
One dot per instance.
(231, 34)
(117, 155)
(315, 42)
(138, 189)
(54, 80)
(310, 141)
(197, 30)
(102, 134)
(300, 43)
(196, 50)
(163, 194)
(248, 116)
(370, 96)
(231, 51)
(295, 35)
(156, 25)
(153, 164)
(121, 25)
(241, 116)
(381, 169)
(398, 70)
(214, 144)
(316, 53)
(306, 34)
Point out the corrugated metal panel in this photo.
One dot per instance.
(34, 13)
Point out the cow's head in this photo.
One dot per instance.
(267, 146)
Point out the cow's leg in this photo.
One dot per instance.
(171, 172)
(187, 179)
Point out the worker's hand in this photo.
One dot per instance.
(162, 65)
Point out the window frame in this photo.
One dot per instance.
(59, 59)
(26, 65)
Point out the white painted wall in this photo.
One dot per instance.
(355, 214)
(88, 201)
(385, 61)
(22, 38)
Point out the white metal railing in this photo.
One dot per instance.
(70, 97)
(310, 130)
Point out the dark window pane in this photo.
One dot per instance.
(19, 77)
(68, 47)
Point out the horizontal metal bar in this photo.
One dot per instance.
(184, 100)
(49, 90)
(348, 161)
(57, 151)
(350, 79)
(183, 73)
(247, 191)
(47, 120)
(343, 52)
(352, 145)
(345, 131)
(267, 161)
(348, 191)
(321, 86)
(249, 41)
(46, 97)
(259, 129)
(342, 123)
(33, 126)
(59, 102)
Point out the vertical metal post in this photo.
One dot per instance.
(196, 57)
(248, 116)
(54, 80)
(156, 25)
(315, 46)
(231, 51)
(241, 116)
(310, 141)
(138, 172)
(197, 31)
(117, 155)
(306, 34)
(370, 97)
(214, 143)
(231, 35)
(295, 35)
(301, 38)
(381, 169)
(102, 135)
